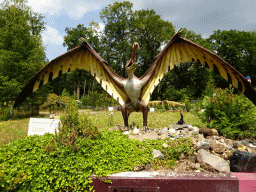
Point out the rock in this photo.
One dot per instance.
(209, 137)
(202, 145)
(229, 144)
(215, 132)
(163, 136)
(210, 141)
(138, 168)
(184, 132)
(192, 158)
(197, 165)
(120, 128)
(251, 150)
(218, 147)
(205, 131)
(157, 154)
(214, 161)
(51, 116)
(245, 142)
(165, 145)
(241, 147)
(148, 167)
(237, 143)
(126, 132)
(227, 154)
(242, 161)
(200, 137)
(172, 131)
(182, 156)
(192, 140)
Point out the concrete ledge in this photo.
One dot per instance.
(167, 182)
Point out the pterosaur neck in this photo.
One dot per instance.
(131, 76)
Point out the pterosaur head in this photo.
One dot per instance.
(130, 65)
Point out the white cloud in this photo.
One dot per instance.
(46, 6)
(51, 36)
(75, 9)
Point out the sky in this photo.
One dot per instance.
(201, 16)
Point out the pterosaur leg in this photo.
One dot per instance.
(144, 108)
(125, 115)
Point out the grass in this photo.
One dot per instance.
(14, 129)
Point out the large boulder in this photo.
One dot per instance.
(214, 161)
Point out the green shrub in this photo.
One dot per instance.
(74, 126)
(96, 99)
(232, 115)
(188, 105)
(5, 113)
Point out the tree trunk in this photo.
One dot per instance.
(92, 85)
(11, 109)
(84, 86)
(78, 89)
(75, 88)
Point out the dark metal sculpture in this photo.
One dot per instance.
(181, 121)
(134, 93)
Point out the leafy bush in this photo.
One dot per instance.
(5, 113)
(96, 99)
(74, 127)
(232, 115)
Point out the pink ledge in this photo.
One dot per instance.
(168, 182)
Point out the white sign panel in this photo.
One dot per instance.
(152, 109)
(39, 126)
(110, 108)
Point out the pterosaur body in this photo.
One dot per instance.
(133, 93)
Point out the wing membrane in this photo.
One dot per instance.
(180, 50)
(81, 57)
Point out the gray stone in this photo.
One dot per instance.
(157, 154)
(200, 137)
(202, 145)
(218, 147)
(205, 131)
(214, 161)
(192, 140)
(245, 142)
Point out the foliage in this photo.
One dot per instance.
(5, 114)
(51, 100)
(236, 47)
(150, 31)
(21, 50)
(232, 115)
(188, 105)
(97, 99)
(38, 163)
(72, 127)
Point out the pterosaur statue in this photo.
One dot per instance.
(133, 93)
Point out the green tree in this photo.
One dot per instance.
(150, 31)
(117, 34)
(236, 47)
(21, 50)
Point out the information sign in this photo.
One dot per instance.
(39, 126)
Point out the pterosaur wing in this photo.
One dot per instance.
(180, 50)
(81, 57)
